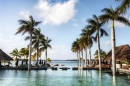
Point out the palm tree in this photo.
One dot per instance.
(124, 6)
(45, 45)
(37, 38)
(75, 48)
(85, 44)
(88, 39)
(96, 26)
(81, 47)
(24, 52)
(112, 15)
(28, 26)
(15, 53)
(103, 54)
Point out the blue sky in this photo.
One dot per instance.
(62, 21)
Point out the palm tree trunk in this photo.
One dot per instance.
(90, 55)
(46, 55)
(99, 53)
(85, 55)
(113, 49)
(82, 59)
(30, 51)
(77, 59)
(37, 57)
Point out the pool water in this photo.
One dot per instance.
(60, 78)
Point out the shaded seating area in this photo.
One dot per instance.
(4, 57)
(122, 57)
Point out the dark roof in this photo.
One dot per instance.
(4, 56)
(122, 53)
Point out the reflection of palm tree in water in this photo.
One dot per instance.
(100, 78)
(114, 81)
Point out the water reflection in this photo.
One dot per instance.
(100, 78)
(114, 81)
(80, 73)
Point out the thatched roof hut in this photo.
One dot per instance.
(4, 56)
(122, 53)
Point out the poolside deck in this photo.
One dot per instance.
(124, 71)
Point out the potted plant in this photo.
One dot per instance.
(124, 64)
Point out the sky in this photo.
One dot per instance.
(62, 22)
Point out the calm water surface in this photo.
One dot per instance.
(60, 78)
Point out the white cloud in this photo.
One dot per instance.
(24, 15)
(55, 13)
(107, 43)
(60, 52)
(1, 34)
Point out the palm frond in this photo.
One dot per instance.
(124, 6)
(107, 11)
(105, 17)
(123, 20)
(103, 32)
(27, 37)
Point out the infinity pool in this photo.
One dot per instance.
(60, 78)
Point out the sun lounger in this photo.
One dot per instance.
(54, 68)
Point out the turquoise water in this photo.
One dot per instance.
(60, 78)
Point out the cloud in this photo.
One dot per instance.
(24, 15)
(55, 13)
(107, 43)
(1, 34)
(7, 44)
(60, 52)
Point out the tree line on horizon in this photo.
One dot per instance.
(94, 30)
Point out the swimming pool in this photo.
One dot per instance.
(60, 78)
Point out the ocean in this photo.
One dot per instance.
(53, 62)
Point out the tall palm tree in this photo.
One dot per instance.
(96, 26)
(37, 38)
(28, 26)
(112, 15)
(83, 46)
(75, 48)
(88, 39)
(45, 45)
(84, 39)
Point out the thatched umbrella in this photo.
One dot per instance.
(4, 56)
